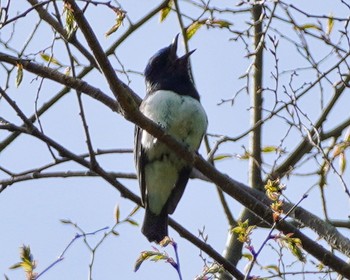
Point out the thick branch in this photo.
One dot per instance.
(125, 192)
(130, 111)
(121, 91)
(60, 78)
(255, 160)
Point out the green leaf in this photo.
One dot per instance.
(347, 136)
(330, 24)
(273, 267)
(244, 156)
(117, 213)
(222, 156)
(119, 21)
(114, 28)
(294, 245)
(307, 26)
(320, 266)
(222, 23)
(19, 76)
(134, 211)
(248, 256)
(192, 29)
(16, 265)
(132, 222)
(269, 149)
(138, 262)
(50, 59)
(158, 257)
(165, 11)
(71, 25)
(144, 256)
(27, 263)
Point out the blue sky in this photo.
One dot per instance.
(30, 211)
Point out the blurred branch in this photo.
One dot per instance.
(230, 219)
(133, 27)
(44, 15)
(131, 113)
(228, 185)
(63, 174)
(256, 203)
(305, 145)
(37, 5)
(30, 129)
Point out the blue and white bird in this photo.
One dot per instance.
(172, 102)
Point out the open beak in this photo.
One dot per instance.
(186, 56)
(183, 60)
(173, 47)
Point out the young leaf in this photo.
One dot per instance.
(19, 76)
(243, 230)
(244, 156)
(133, 212)
(50, 59)
(222, 23)
(132, 222)
(71, 25)
(342, 163)
(273, 267)
(222, 156)
(269, 149)
(144, 256)
(347, 136)
(119, 21)
(192, 29)
(165, 11)
(28, 264)
(307, 26)
(294, 245)
(117, 213)
(248, 256)
(330, 24)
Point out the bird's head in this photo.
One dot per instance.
(165, 70)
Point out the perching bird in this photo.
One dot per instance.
(172, 102)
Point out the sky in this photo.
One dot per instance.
(30, 211)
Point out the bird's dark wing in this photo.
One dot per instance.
(140, 162)
(179, 189)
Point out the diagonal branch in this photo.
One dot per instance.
(129, 110)
(125, 192)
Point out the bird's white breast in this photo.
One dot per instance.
(184, 118)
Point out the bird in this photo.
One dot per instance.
(173, 103)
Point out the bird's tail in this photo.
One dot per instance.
(155, 227)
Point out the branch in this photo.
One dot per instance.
(121, 91)
(305, 146)
(129, 110)
(60, 78)
(86, 70)
(125, 192)
(44, 15)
